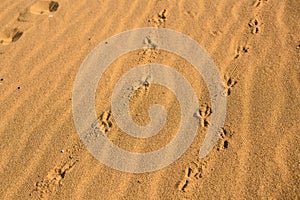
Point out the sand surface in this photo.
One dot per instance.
(254, 43)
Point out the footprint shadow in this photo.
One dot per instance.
(44, 7)
(10, 35)
(38, 8)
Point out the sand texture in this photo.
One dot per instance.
(256, 47)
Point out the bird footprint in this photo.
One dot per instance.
(254, 24)
(203, 113)
(230, 83)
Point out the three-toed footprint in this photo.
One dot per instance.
(203, 113)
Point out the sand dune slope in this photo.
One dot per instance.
(254, 43)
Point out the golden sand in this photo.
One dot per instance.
(254, 43)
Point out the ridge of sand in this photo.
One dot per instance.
(256, 46)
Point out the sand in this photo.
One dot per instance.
(254, 43)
